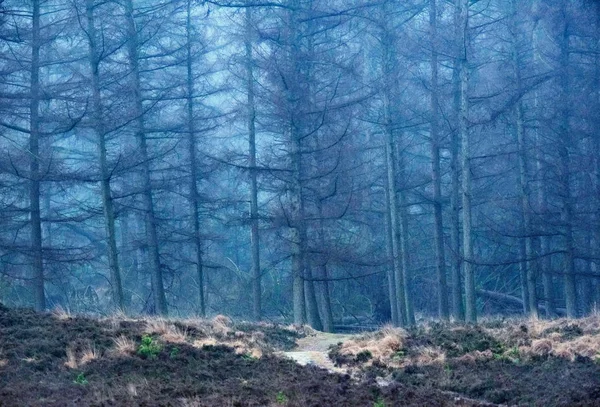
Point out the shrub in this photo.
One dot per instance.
(281, 398)
(80, 379)
(379, 403)
(149, 347)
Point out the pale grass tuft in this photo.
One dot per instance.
(195, 402)
(132, 390)
(541, 347)
(71, 362)
(467, 359)
(587, 346)
(428, 355)
(175, 335)
(382, 345)
(221, 324)
(30, 360)
(61, 313)
(476, 356)
(591, 324)
(258, 336)
(90, 353)
(536, 327)
(168, 331)
(124, 345)
(3, 362)
(256, 353)
(208, 341)
(158, 326)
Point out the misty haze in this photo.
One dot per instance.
(299, 202)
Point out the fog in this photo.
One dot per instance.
(335, 163)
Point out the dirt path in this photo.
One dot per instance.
(313, 350)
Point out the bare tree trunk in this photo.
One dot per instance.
(542, 243)
(312, 308)
(596, 146)
(324, 298)
(404, 248)
(391, 275)
(565, 174)
(296, 235)
(458, 311)
(586, 282)
(34, 151)
(193, 191)
(440, 257)
(463, 130)
(107, 200)
(392, 205)
(127, 259)
(255, 238)
(158, 290)
(528, 266)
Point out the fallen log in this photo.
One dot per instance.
(512, 300)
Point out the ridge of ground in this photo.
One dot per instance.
(54, 359)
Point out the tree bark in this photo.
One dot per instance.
(324, 298)
(542, 243)
(463, 130)
(404, 246)
(438, 231)
(392, 207)
(565, 172)
(391, 275)
(528, 267)
(458, 310)
(107, 199)
(254, 225)
(193, 188)
(296, 238)
(596, 146)
(34, 166)
(158, 290)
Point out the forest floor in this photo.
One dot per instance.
(54, 359)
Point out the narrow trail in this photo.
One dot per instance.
(312, 350)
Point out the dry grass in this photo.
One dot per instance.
(221, 325)
(194, 402)
(176, 335)
(3, 362)
(520, 340)
(382, 345)
(239, 346)
(30, 360)
(541, 347)
(564, 338)
(202, 342)
(71, 362)
(157, 326)
(61, 313)
(88, 354)
(585, 346)
(132, 390)
(123, 345)
(167, 330)
(427, 355)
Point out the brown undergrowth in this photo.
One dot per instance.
(512, 362)
(56, 359)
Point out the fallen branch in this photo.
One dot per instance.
(512, 300)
